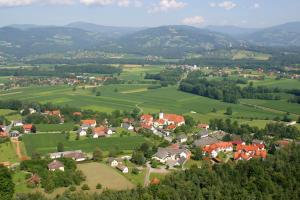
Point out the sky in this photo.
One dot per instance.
(150, 13)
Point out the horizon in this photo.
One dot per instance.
(144, 13)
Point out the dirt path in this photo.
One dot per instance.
(17, 146)
(150, 170)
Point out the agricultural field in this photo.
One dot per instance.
(54, 127)
(107, 176)
(282, 83)
(47, 143)
(8, 153)
(10, 114)
(137, 72)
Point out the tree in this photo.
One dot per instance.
(97, 155)
(98, 94)
(154, 164)
(197, 153)
(89, 132)
(138, 157)
(7, 187)
(49, 184)
(33, 129)
(60, 147)
(228, 111)
(85, 187)
(98, 186)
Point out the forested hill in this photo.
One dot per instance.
(277, 177)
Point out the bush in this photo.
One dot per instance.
(72, 188)
(85, 187)
(98, 186)
(135, 171)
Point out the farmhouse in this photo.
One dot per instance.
(203, 126)
(14, 133)
(122, 168)
(100, 132)
(82, 131)
(18, 123)
(127, 126)
(75, 155)
(27, 128)
(170, 119)
(214, 149)
(182, 138)
(89, 123)
(172, 156)
(56, 165)
(114, 162)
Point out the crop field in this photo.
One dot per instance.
(282, 83)
(130, 96)
(8, 153)
(137, 72)
(54, 127)
(105, 175)
(10, 114)
(47, 143)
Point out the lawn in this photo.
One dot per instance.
(107, 176)
(46, 143)
(10, 114)
(54, 127)
(8, 153)
(282, 83)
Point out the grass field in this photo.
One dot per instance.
(10, 114)
(54, 127)
(129, 96)
(282, 83)
(46, 143)
(107, 176)
(8, 153)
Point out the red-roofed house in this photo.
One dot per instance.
(27, 128)
(247, 152)
(214, 149)
(204, 126)
(89, 122)
(100, 132)
(147, 119)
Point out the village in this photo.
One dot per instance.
(177, 150)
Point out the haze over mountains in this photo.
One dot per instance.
(23, 40)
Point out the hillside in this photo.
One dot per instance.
(282, 35)
(175, 40)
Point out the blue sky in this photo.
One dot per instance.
(244, 13)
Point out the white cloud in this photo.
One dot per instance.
(256, 5)
(12, 3)
(195, 20)
(62, 2)
(137, 4)
(97, 2)
(227, 5)
(165, 5)
(123, 3)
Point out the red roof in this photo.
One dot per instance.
(174, 118)
(3, 134)
(27, 127)
(146, 126)
(77, 113)
(203, 126)
(215, 146)
(100, 131)
(160, 121)
(147, 118)
(171, 127)
(88, 122)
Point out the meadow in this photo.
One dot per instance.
(47, 143)
(8, 153)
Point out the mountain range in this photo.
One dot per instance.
(175, 40)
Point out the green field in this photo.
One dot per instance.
(8, 153)
(282, 83)
(47, 143)
(10, 114)
(54, 127)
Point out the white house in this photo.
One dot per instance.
(82, 131)
(56, 165)
(123, 169)
(114, 162)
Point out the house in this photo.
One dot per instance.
(205, 141)
(203, 134)
(172, 156)
(111, 130)
(122, 168)
(218, 134)
(77, 114)
(14, 133)
(214, 149)
(114, 162)
(53, 113)
(56, 165)
(82, 131)
(182, 138)
(18, 123)
(100, 132)
(31, 111)
(147, 120)
(292, 123)
(3, 134)
(203, 126)
(247, 152)
(75, 155)
(169, 119)
(89, 123)
(27, 128)
(128, 120)
(127, 126)
(34, 180)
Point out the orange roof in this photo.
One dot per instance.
(27, 126)
(160, 121)
(147, 118)
(174, 118)
(171, 127)
(3, 134)
(146, 126)
(88, 121)
(155, 181)
(56, 112)
(203, 126)
(100, 131)
(77, 113)
(247, 148)
(219, 145)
